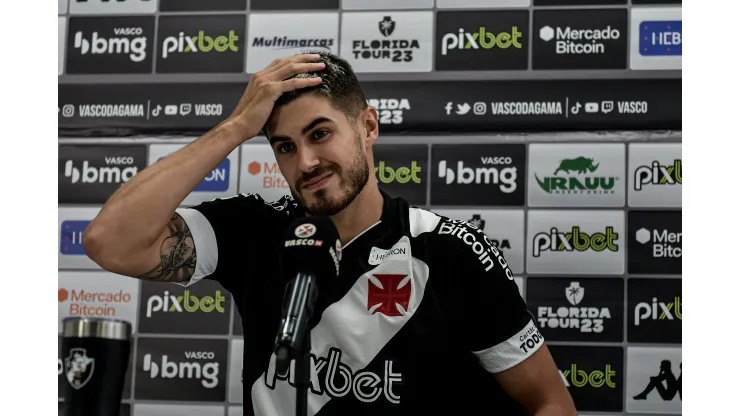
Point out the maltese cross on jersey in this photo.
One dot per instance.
(388, 294)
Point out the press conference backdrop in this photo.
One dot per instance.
(589, 222)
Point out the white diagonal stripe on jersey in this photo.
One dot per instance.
(350, 327)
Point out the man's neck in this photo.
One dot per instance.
(361, 214)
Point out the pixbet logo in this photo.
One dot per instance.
(581, 378)
(557, 241)
(92, 174)
(584, 319)
(504, 177)
(402, 174)
(390, 110)
(271, 176)
(579, 41)
(206, 372)
(199, 43)
(482, 39)
(185, 303)
(663, 242)
(658, 310)
(340, 380)
(657, 174)
(123, 43)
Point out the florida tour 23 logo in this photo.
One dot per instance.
(79, 368)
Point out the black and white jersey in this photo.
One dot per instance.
(423, 314)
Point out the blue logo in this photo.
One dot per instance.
(71, 242)
(660, 38)
(217, 180)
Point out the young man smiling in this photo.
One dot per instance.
(425, 316)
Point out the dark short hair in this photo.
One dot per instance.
(339, 85)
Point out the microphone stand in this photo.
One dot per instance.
(294, 336)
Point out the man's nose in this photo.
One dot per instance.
(307, 158)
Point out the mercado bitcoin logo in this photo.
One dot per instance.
(199, 309)
(401, 171)
(575, 240)
(97, 294)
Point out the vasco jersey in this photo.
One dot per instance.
(424, 311)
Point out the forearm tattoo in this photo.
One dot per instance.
(177, 254)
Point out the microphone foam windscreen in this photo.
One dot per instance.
(311, 244)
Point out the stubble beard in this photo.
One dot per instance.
(351, 183)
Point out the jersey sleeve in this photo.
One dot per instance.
(230, 234)
(481, 300)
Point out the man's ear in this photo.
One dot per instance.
(369, 125)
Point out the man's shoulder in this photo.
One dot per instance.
(464, 244)
(250, 201)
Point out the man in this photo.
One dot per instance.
(425, 316)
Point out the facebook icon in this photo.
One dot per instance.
(71, 241)
(660, 38)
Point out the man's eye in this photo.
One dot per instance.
(320, 134)
(284, 147)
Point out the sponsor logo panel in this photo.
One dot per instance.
(221, 182)
(654, 242)
(293, 4)
(181, 369)
(110, 45)
(580, 39)
(388, 42)
(505, 229)
(90, 174)
(72, 223)
(478, 175)
(594, 376)
(97, 295)
(277, 35)
(655, 175)
(199, 44)
(387, 4)
(654, 310)
(63, 6)
(90, 7)
(236, 411)
(173, 309)
(479, 40)
(61, 42)
(201, 5)
(580, 175)
(520, 283)
(657, 38)
(654, 380)
(575, 242)
(177, 410)
(391, 110)
(582, 310)
(260, 174)
(401, 170)
(236, 373)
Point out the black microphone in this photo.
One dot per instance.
(311, 250)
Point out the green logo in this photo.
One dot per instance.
(577, 179)
(574, 240)
(403, 174)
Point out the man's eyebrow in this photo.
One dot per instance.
(309, 126)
